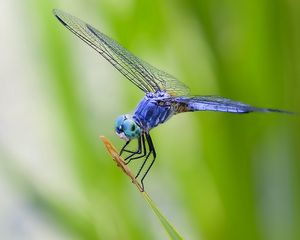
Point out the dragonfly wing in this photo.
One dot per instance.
(213, 103)
(167, 82)
(142, 74)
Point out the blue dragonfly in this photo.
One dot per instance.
(165, 96)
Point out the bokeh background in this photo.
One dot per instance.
(217, 175)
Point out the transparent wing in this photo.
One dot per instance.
(142, 74)
(213, 103)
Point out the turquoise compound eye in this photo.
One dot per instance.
(131, 129)
(119, 123)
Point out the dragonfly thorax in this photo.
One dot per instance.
(153, 110)
(126, 128)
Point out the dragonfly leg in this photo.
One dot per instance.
(123, 148)
(141, 146)
(126, 150)
(143, 153)
(138, 151)
(151, 150)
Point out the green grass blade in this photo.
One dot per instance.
(173, 234)
(163, 220)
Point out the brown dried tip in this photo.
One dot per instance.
(120, 162)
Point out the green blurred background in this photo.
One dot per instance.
(217, 175)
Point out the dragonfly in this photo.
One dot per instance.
(165, 95)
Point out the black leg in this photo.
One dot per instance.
(141, 145)
(126, 150)
(142, 150)
(151, 150)
(123, 148)
(143, 153)
(138, 151)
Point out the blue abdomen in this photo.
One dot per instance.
(149, 113)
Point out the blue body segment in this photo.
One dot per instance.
(149, 113)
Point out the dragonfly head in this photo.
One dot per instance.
(126, 128)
